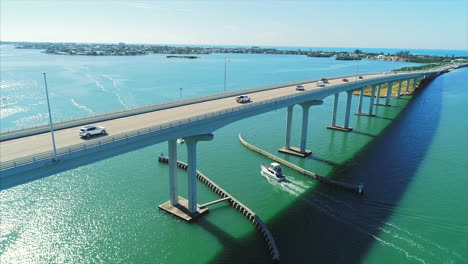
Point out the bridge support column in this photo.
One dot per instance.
(389, 93)
(348, 110)
(187, 209)
(173, 181)
(346, 127)
(371, 104)
(378, 94)
(287, 144)
(305, 124)
(416, 83)
(335, 109)
(361, 95)
(399, 89)
(302, 151)
(407, 85)
(192, 169)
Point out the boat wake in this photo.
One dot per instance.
(413, 246)
(290, 185)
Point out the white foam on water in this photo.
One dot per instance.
(426, 241)
(82, 107)
(9, 111)
(389, 244)
(291, 185)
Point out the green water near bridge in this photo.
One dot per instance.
(414, 209)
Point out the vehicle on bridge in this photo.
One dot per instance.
(273, 171)
(345, 80)
(243, 99)
(299, 88)
(324, 80)
(320, 84)
(88, 131)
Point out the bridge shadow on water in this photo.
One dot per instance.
(328, 225)
(62, 166)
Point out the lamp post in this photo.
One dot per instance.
(357, 67)
(224, 73)
(181, 93)
(50, 118)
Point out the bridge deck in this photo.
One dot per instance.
(35, 144)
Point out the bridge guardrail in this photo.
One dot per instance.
(93, 143)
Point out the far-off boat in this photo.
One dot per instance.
(180, 141)
(273, 171)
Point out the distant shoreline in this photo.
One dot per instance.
(190, 52)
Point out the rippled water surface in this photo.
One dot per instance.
(411, 158)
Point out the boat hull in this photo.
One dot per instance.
(271, 174)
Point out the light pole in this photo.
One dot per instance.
(224, 73)
(50, 118)
(181, 93)
(357, 67)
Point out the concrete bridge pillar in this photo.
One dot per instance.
(371, 104)
(302, 151)
(361, 95)
(192, 168)
(346, 127)
(173, 181)
(305, 124)
(378, 94)
(287, 144)
(348, 109)
(408, 85)
(389, 93)
(399, 88)
(186, 209)
(335, 109)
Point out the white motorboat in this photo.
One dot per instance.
(180, 140)
(273, 171)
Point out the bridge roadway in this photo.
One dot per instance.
(35, 144)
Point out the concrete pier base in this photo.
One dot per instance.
(340, 128)
(295, 151)
(181, 210)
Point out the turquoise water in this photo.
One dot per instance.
(414, 209)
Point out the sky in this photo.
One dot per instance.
(411, 24)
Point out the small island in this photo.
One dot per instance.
(182, 57)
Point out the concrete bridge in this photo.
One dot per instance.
(195, 120)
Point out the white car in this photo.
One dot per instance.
(299, 88)
(88, 131)
(243, 99)
(320, 84)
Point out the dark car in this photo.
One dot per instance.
(360, 77)
(345, 80)
(324, 80)
(300, 88)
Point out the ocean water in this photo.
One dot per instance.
(410, 158)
